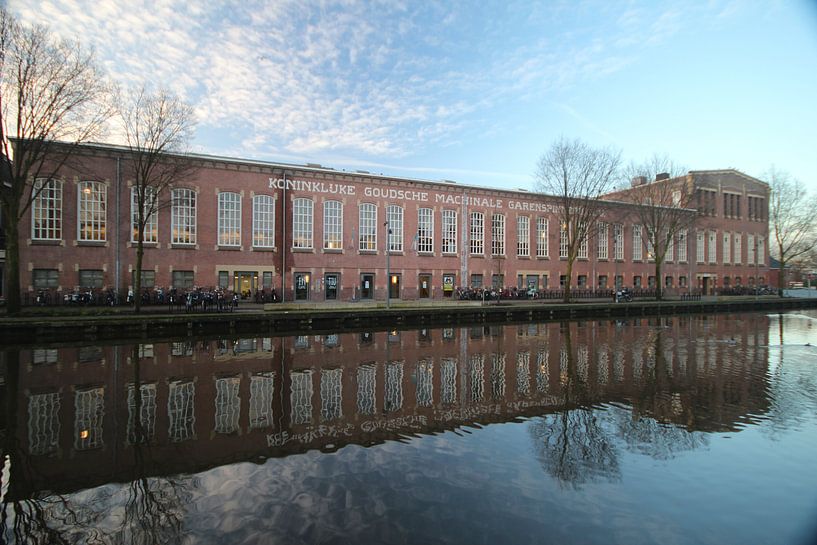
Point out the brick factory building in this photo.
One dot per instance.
(315, 234)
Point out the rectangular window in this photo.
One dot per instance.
(45, 279)
(738, 250)
(183, 216)
(148, 279)
(651, 237)
(223, 279)
(761, 252)
(713, 246)
(497, 234)
(46, 210)
(425, 230)
(394, 215)
(670, 254)
(541, 237)
(476, 280)
(91, 206)
(477, 233)
(302, 210)
(700, 246)
(266, 280)
(750, 249)
(727, 247)
(603, 241)
(563, 241)
(263, 221)
(90, 278)
(523, 236)
(149, 209)
(637, 243)
(618, 242)
(449, 231)
(183, 279)
(332, 225)
(682, 246)
(367, 236)
(583, 244)
(229, 219)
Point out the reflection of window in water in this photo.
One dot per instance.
(331, 394)
(564, 362)
(425, 383)
(90, 354)
(542, 371)
(603, 364)
(181, 349)
(668, 361)
(301, 397)
(89, 410)
(366, 337)
(448, 334)
(302, 341)
(331, 341)
(682, 361)
(223, 346)
(424, 335)
(228, 404)
(145, 351)
(245, 346)
(266, 344)
(261, 393)
(43, 356)
(43, 423)
(498, 376)
(638, 362)
(366, 382)
(475, 332)
(476, 376)
(147, 412)
(181, 410)
(523, 373)
(582, 363)
(394, 336)
(618, 366)
(533, 329)
(393, 399)
(448, 380)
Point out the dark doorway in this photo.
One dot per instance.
(331, 286)
(425, 286)
(366, 286)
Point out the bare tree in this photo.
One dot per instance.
(52, 97)
(577, 176)
(158, 127)
(663, 195)
(792, 218)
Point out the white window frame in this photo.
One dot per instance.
(92, 197)
(713, 247)
(727, 247)
(46, 210)
(761, 251)
(497, 234)
(449, 222)
(332, 225)
(395, 215)
(700, 246)
(229, 219)
(738, 238)
(477, 233)
(638, 244)
(563, 242)
(750, 249)
(425, 230)
(367, 227)
(618, 242)
(151, 233)
(542, 236)
(603, 238)
(263, 221)
(303, 218)
(523, 236)
(683, 243)
(183, 216)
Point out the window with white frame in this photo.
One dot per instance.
(738, 250)
(651, 236)
(542, 237)
(523, 236)
(700, 246)
(262, 391)
(449, 231)
(181, 410)
(713, 246)
(425, 383)
(367, 229)
(761, 252)
(477, 233)
(183, 216)
(91, 206)
(727, 247)
(331, 394)
(425, 230)
(43, 423)
(563, 241)
(46, 210)
(618, 242)
(89, 414)
(393, 394)
(670, 253)
(603, 241)
(229, 219)
(151, 228)
(332, 225)
(302, 218)
(394, 215)
(141, 424)
(750, 249)
(682, 246)
(263, 221)
(583, 245)
(227, 405)
(448, 381)
(366, 388)
(301, 397)
(497, 234)
(637, 243)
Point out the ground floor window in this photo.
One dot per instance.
(148, 279)
(183, 279)
(533, 282)
(44, 279)
(497, 281)
(331, 286)
(725, 281)
(301, 286)
(223, 280)
(544, 281)
(582, 280)
(651, 281)
(266, 280)
(367, 286)
(636, 281)
(619, 281)
(562, 280)
(476, 280)
(737, 281)
(602, 281)
(682, 281)
(90, 278)
(668, 282)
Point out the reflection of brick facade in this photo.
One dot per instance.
(215, 402)
(324, 228)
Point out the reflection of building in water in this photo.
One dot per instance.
(206, 403)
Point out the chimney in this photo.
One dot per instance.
(638, 180)
(662, 176)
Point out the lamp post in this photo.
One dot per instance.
(388, 264)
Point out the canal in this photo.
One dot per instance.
(672, 429)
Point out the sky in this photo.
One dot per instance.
(472, 91)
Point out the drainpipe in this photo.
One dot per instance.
(284, 241)
(117, 234)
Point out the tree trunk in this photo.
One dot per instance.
(13, 288)
(137, 274)
(658, 291)
(569, 275)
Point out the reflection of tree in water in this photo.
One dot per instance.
(147, 510)
(655, 439)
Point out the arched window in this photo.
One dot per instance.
(263, 221)
(92, 211)
(229, 219)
